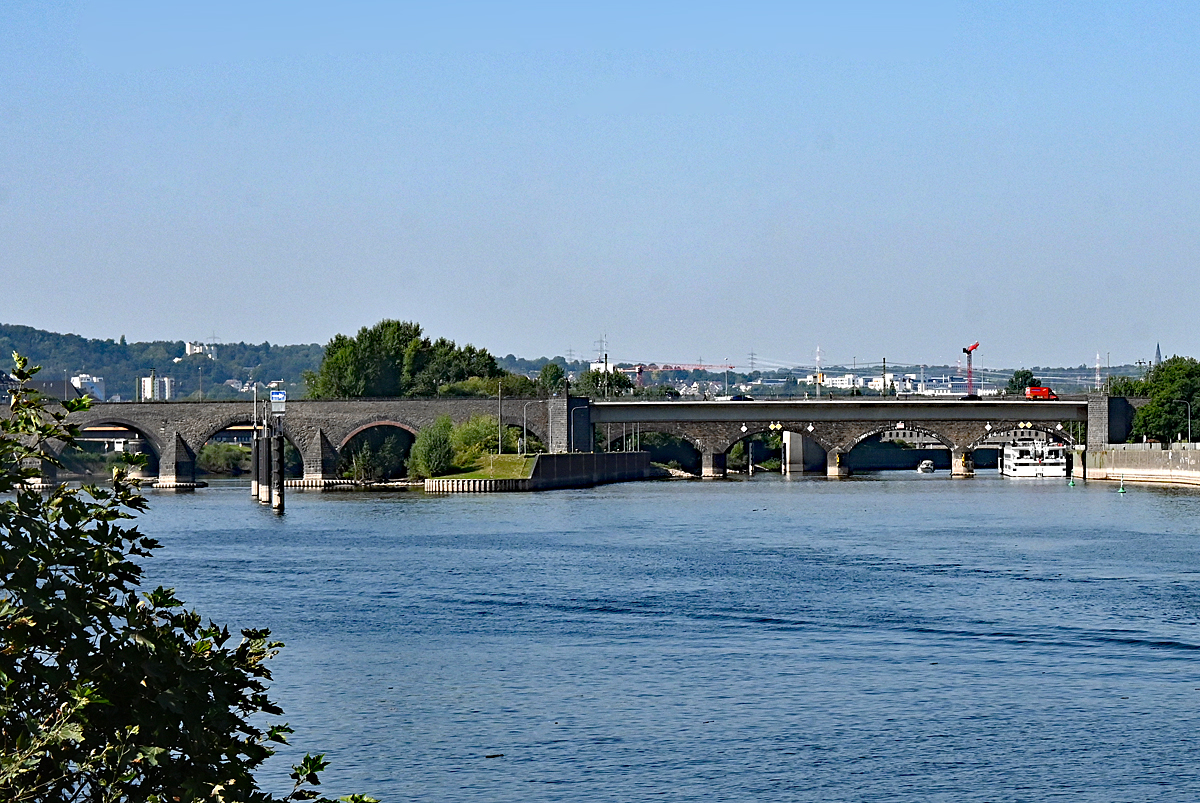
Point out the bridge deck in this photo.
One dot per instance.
(876, 410)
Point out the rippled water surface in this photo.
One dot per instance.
(894, 637)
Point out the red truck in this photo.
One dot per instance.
(1040, 393)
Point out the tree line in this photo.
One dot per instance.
(122, 363)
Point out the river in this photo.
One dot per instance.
(887, 637)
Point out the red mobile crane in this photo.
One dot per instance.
(969, 351)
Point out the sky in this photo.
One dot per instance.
(689, 182)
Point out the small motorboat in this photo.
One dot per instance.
(926, 467)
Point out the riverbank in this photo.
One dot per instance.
(1166, 464)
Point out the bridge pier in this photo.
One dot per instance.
(320, 460)
(962, 463)
(47, 476)
(176, 464)
(140, 446)
(712, 465)
(836, 466)
(801, 453)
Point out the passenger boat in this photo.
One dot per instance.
(1030, 458)
(926, 467)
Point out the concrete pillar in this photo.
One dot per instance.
(579, 421)
(277, 473)
(836, 465)
(254, 467)
(264, 470)
(801, 453)
(962, 463)
(712, 464)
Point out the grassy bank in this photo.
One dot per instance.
(494, 467)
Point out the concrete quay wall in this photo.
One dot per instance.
(585, 469)
(1173, 464)
(550, 471)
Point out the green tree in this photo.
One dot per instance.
(550, 378)
(1021, 379)
(601, 384)
(477, 436)
(1168, 384)
(433, 451)
(514, 385)
(223, 458)
(106, 693)
(392, 358)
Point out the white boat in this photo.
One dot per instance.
(1030, 458)
(926, 467)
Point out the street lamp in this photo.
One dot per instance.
(1189, 406)
(524, 427)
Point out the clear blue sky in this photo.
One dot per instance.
(696, 181)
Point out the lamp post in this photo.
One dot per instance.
(524, 427)
(1189, 406)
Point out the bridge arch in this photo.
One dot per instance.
(363, 427)
(913, 427)
(509, 420)
(675, 430)
(143, 432)
(1054, 431)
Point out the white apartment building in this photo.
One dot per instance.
(199, 348)
(90, 385)
(157, 388)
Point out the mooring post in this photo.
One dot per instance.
(254, 466)
(277, 473)
(264, 476)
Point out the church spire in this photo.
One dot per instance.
(1157, 354)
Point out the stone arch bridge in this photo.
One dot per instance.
(175, 431)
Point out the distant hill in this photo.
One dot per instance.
(121, 363)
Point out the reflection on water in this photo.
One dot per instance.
(890, 637)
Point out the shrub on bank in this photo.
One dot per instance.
(111, 694)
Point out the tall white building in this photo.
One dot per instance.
(157, 388)
(199, 348)
(90, 385)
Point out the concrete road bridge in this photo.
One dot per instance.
(175, 431)
(837, 426)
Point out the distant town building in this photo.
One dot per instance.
(90, 385)
(157, 388)
(843, 382)
(55, 389)
(199, 348)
